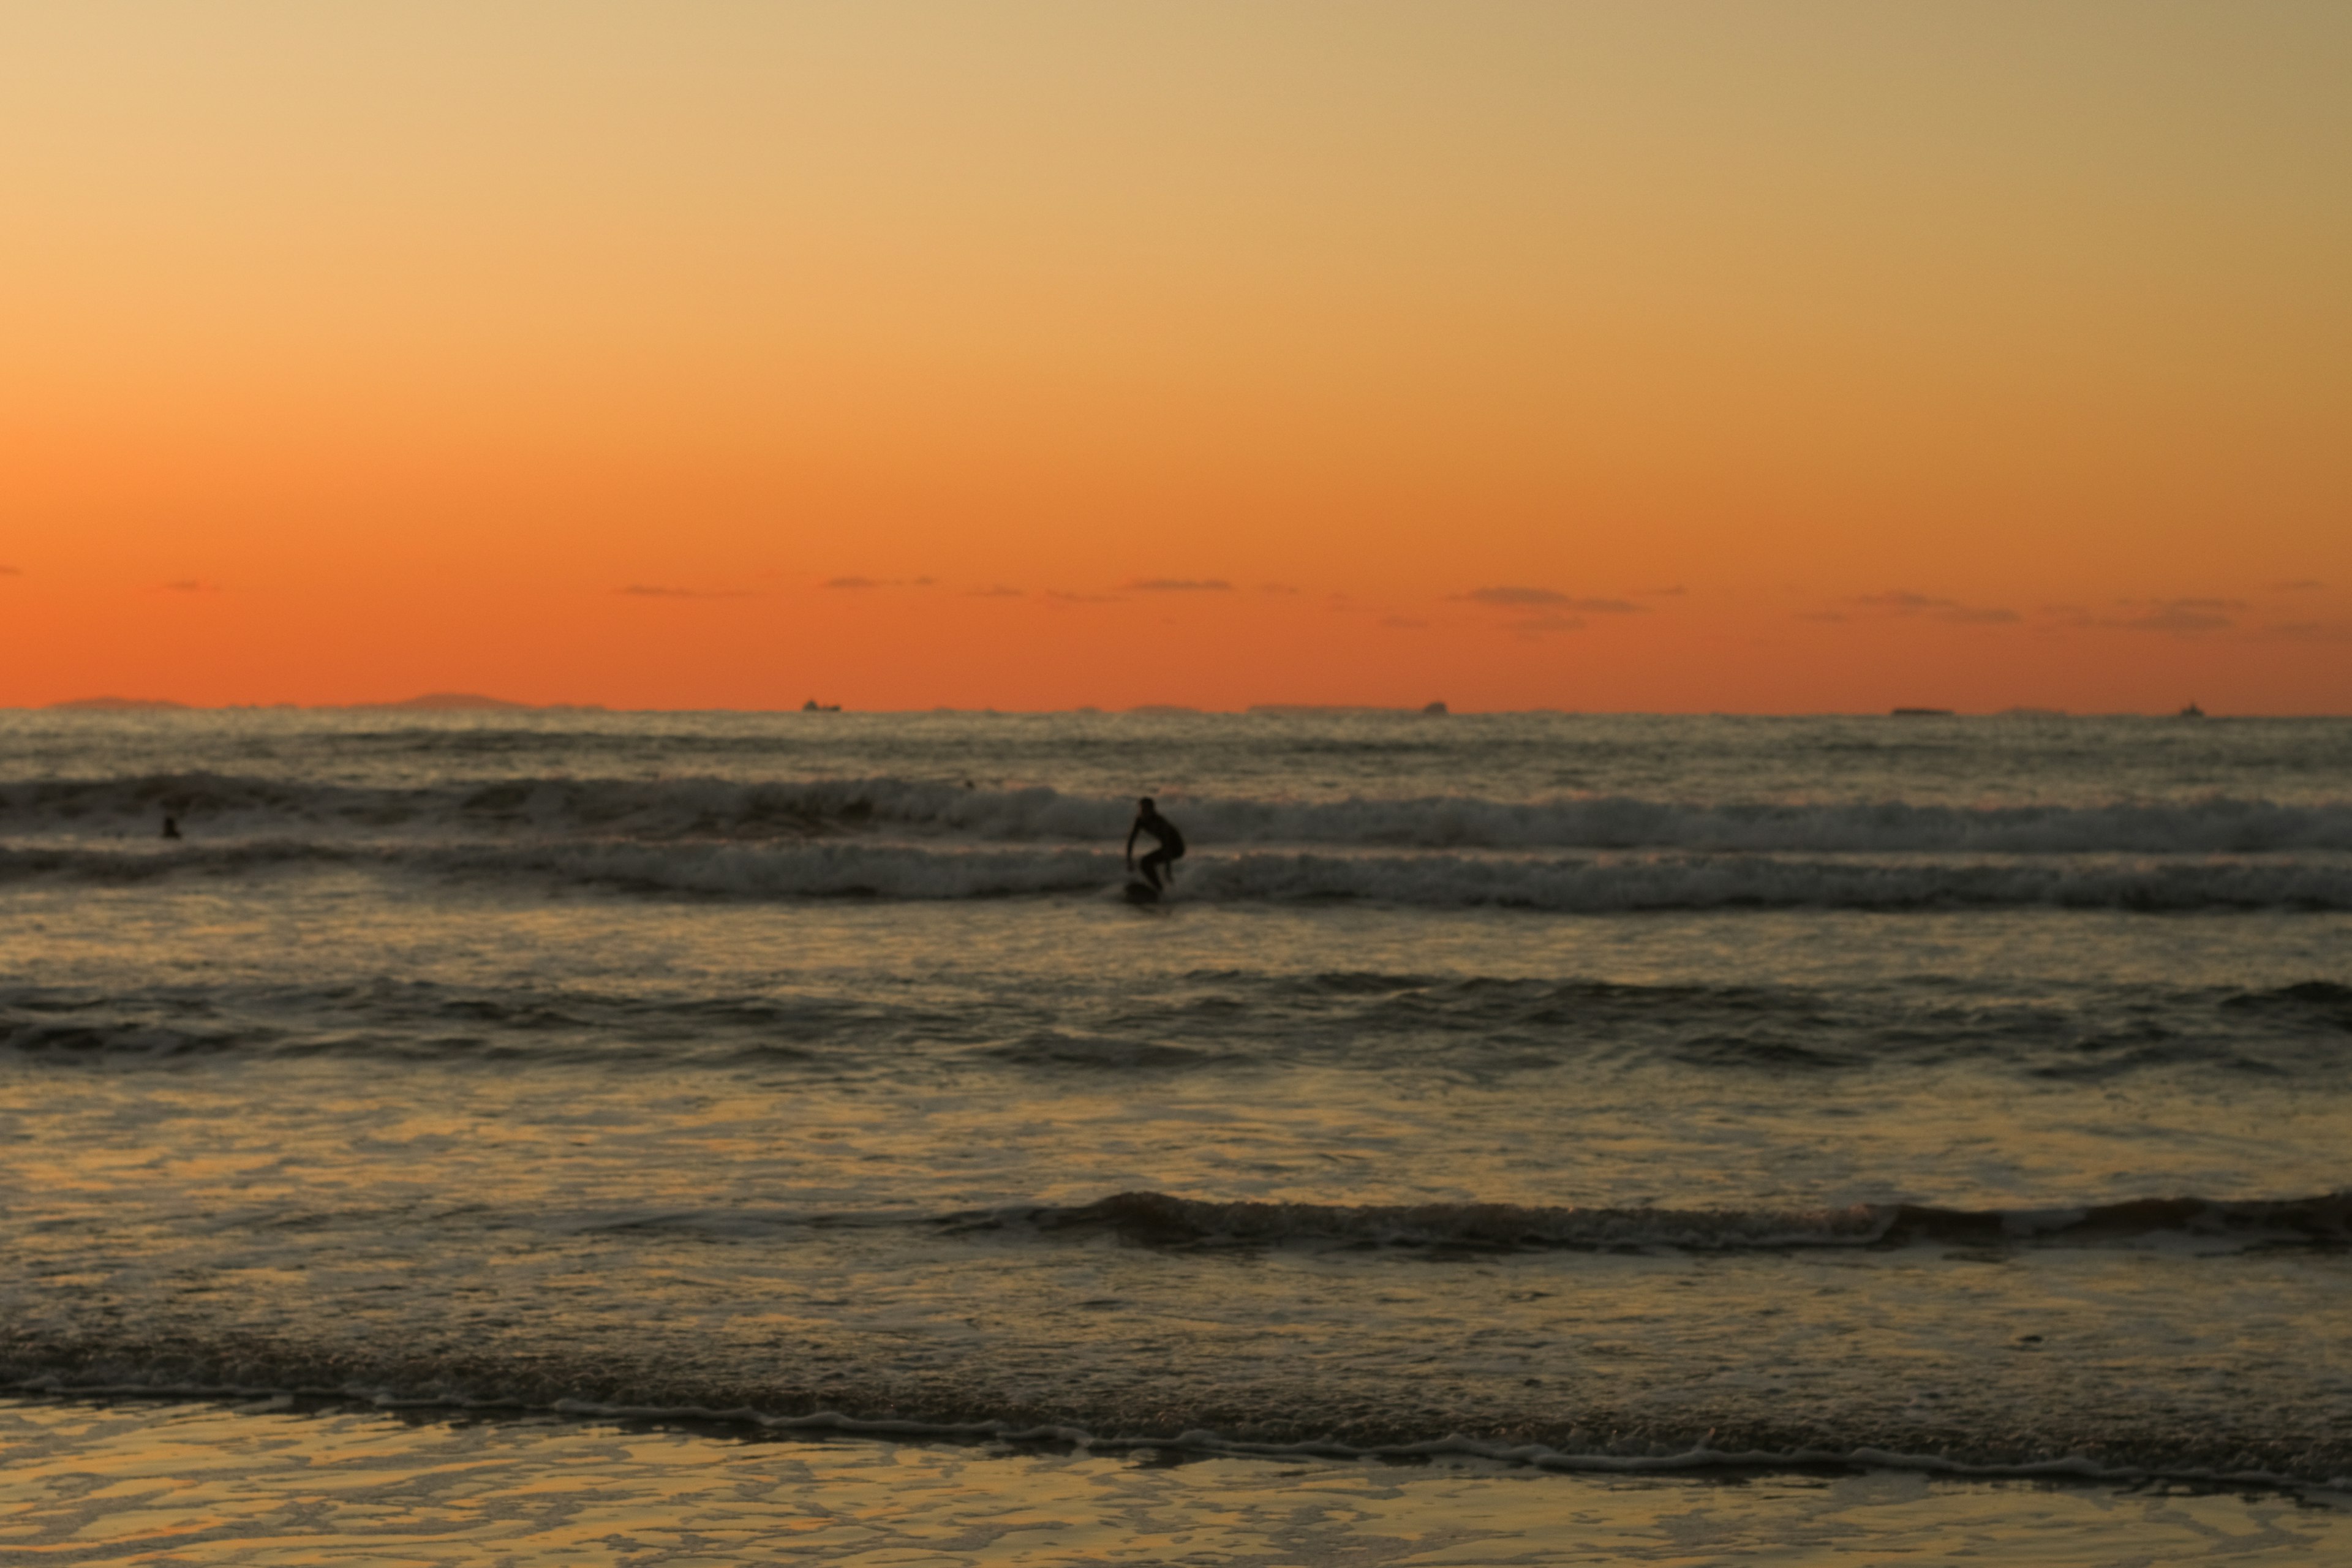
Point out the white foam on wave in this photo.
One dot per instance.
(1606, 1455)
(1572, 884)
(709, 808)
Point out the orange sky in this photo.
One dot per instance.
(1788, 357)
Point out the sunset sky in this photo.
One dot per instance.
(1769, 357)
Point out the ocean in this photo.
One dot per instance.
(1584, 1109)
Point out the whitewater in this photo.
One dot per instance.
(1946, 1097)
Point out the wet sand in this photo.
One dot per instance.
(147, 1482)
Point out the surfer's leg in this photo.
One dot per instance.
(1155, 868)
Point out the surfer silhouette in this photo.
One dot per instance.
(171, 827)
(1158, 865)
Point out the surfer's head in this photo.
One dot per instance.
(1145, 804)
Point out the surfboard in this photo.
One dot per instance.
(1142, 893)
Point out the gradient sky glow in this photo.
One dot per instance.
(1771, 357)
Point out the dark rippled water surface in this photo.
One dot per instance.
(1599, 1091)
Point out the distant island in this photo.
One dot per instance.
(431, 702)
(119, 705)
(1311, 709)
(453, 702)
(1335, 710)
(466, 702)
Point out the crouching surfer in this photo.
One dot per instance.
(1158, 865)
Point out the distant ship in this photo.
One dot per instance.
(813, 706)
(2192, 711)
(1922, 713)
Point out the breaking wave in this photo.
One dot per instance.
(218, 807)
(1605, 1442)
(1575, 884)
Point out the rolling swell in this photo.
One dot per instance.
(1585, 884)
(1475, 1025)
(1165, 1220)
(1159, 1219)
(711, 808)
(1274, 1415)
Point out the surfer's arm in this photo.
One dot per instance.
(1131, 843)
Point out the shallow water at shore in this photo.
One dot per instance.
(139, 1483)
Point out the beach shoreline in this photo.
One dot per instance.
(204, 1483)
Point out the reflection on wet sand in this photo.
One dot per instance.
(142, 1483)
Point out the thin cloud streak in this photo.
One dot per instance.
(2181, 618)
(1902, 601)
(1525, 598)
(1544, 625)
(2306, 631)
(659, 590)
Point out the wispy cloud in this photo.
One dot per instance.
(2180, 618)
(1515, 598)
(1403, 623)
(1901, 602)
(1522, 598)
(1543, 625)
(659, 591)
(10, 571)
(1179, 586)
(999, 592)
(1057, 596)
(1539, 612)
(1277, 588)
(860, 583)
(187, 585)
(2295, 585)
(2306, 631)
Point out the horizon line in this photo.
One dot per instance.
(475, 704)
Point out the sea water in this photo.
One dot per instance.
(1623, 1097)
